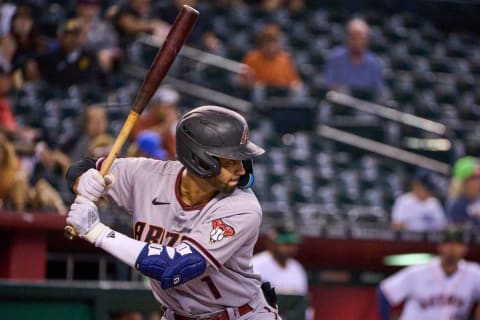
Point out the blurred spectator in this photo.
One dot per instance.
(70, 64)
(271, 5)
(100, 146)
(8, 124)
(13, 183)
(7, 10)
(269, 65)
(7, 52)
(94, 124)
(353, 66)
(127, 315)
(100, 36)
(277, 266)
(49, 176)
(419, 210)
(161, 116)
(447, 285)
(28, 43)
(135, 17)
(149, 145)
(463, 207)
(7, 121)
(202, 34)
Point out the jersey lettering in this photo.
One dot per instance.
(441, 301)
(154, 234)
(172, 238)
(138, 230)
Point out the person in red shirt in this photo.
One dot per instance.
(8, 125)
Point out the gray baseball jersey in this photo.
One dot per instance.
(224, 231)
(430, 294)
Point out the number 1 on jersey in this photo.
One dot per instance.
(212, 287)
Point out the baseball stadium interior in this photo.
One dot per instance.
(344, 145)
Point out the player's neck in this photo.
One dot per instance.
(194, 190)
(449, 268)
(282, 262)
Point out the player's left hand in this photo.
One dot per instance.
(83, 215)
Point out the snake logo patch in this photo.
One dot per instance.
(220, 230)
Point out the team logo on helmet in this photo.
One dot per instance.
(220, 230)
(244, 135)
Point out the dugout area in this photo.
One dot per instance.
(75, 301)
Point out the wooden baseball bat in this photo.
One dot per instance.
(176, 37)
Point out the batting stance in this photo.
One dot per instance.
(195, 220)
(444, 289)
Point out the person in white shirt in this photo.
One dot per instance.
(285, 274)
(419, 210)
(446, 288)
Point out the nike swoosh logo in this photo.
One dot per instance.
(158, 203)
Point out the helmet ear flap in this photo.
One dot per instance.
(246, 181)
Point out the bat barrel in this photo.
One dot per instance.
(179, 32)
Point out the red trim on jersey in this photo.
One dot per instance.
(185, 206)
(204, 251)
(100, 163)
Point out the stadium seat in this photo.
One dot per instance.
(240, 19)
(439, 61)
(426, 104)
(299, 37)
(423, 79)
(369, 216)
(238, 45)
(319, 51)
(318, 23)
(400, 58)
(378, 43)
(446, 92)
(404, 89)
(456, 47)
(314, 217)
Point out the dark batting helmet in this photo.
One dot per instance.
(208, 133)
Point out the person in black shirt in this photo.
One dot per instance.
(70, 64)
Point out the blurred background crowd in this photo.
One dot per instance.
(369, 112)
(70, 70)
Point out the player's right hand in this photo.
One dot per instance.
(91, 185)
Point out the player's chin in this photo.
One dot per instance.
(230, 186)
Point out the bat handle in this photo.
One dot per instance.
(69, 232)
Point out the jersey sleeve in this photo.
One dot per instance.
(398, 211)
(476, 276)
(398, 286)
(219, 238)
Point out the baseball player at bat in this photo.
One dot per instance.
(443, 289)
(195, 220)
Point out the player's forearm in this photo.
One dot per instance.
(120, 246)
